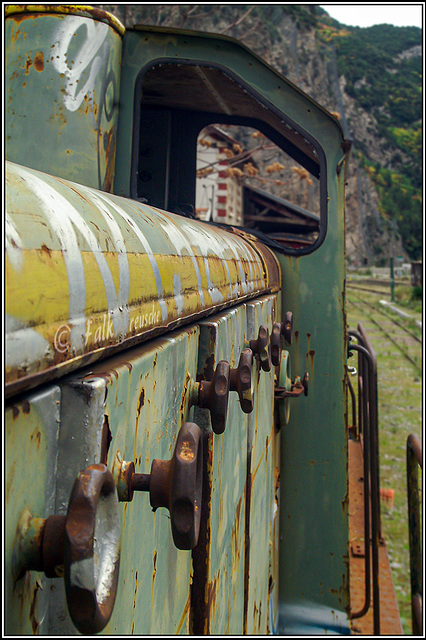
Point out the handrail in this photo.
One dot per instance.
(368, 426)
(415, 460)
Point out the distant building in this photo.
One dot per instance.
(219, 190)
(222, 196)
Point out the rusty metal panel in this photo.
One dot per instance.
(146, 402)
(31, 457)
(263, 463)
(74, 259)
(62, 86)
(131, 408)
(218, 581)
(235, 582)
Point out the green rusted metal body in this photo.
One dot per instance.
(118, 311)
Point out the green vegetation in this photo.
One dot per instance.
(382, 66)
(400, 202)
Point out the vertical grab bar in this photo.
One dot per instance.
(368, 404)
(414, 460)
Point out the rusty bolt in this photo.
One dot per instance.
(241, 380)
(260, 347)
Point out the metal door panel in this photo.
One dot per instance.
(31, 446)
(262, 459)
(146, 403)
(219, 556)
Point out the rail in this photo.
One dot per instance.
(414, 461)
(368, 431)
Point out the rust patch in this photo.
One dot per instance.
(26, 407)
(184, 614)
(310, 357)
(28, 65)
(141, 401)
(200, 598)
(211, 597)
(39, 61)
(34, 622)
(248, 488)
(15, 412)
(36, 436)
(106, 441)
(46, 250)
(154, 571)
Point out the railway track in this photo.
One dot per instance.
(371, 311)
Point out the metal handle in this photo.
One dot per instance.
(298, 387)
(92, 549)
(214, 394)
(82, 546)
(261, 348)
(241, 380)
(175, 484)
(279, 329)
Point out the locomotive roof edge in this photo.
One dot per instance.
(89, 273)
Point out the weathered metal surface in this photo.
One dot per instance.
(121, 402)
(146, 401)
(175, 484)
(235, 573)
(66, 9)
(83, 547)
(217, 595)
(31, 453)
(88, 273)
(313, 554)
(262, 487)
(62, 86)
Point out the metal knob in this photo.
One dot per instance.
(83, 547)
(276, 344)
(214, 395)
(175, 484)
(241, 380)
(261, 348)
(279, 329)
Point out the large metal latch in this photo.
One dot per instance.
(175, 484)
(214, 394)
(261, 348)
(287, 388)
(297, 388)
(83, 547)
